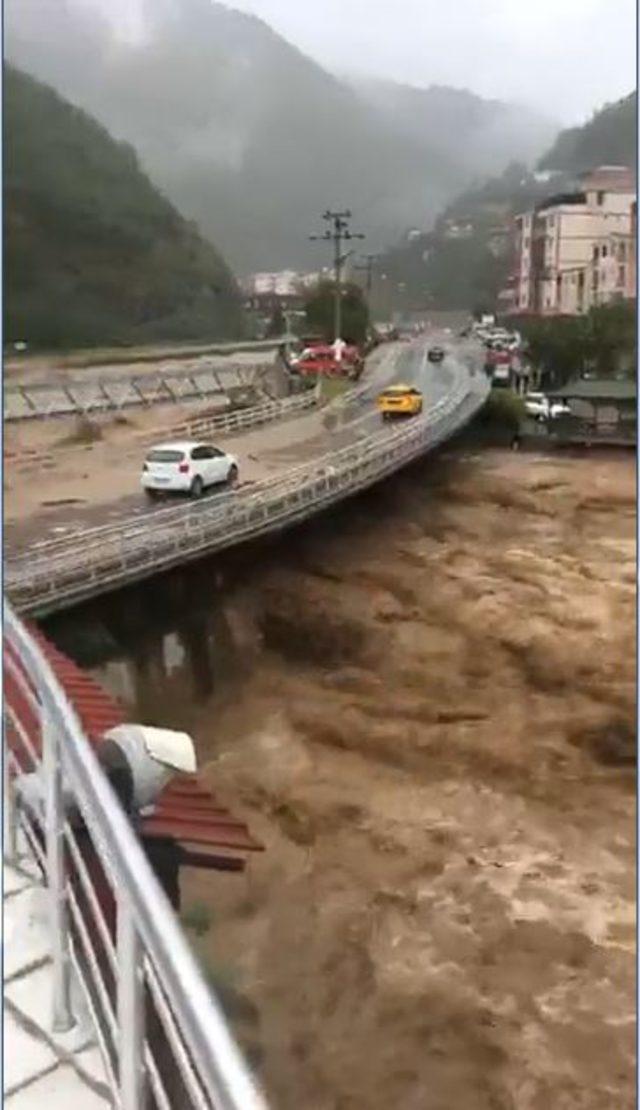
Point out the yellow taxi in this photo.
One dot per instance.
(399, 400)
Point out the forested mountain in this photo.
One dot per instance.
(610, 138)
(93, 253)
(253, 139)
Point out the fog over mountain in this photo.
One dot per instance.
(93, 254)
(251, 138)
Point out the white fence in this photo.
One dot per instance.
(64, 571)
(199, 427)
(164, 1040)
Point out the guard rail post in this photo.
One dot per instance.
(54, 818)
(9, 816)
(130, 1010)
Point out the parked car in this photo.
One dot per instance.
(322, 361)
(399, 400)
(541, 408)
(435, 354)
(186, 467)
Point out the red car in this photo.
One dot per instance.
(322, 360)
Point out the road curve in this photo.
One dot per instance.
(65, 571)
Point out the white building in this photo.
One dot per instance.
(560, 266)
(284, 283)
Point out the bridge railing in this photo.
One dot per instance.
(164, 1039)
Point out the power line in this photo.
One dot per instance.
(338, 232)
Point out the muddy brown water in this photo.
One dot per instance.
(424, 705)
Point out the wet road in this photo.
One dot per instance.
(355, 420)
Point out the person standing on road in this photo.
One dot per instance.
(338, 348)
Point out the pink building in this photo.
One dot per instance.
(577, 249)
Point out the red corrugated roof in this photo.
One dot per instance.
(186, 811)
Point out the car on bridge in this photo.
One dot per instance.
(399, 400)
(435, 354)
(186, 467)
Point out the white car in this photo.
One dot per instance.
(186, 467)
(541, 408)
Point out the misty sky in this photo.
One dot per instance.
(565, 57)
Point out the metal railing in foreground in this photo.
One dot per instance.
(164, 1040)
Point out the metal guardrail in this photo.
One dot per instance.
(149, 971)
(80, 397)
(580, 429)
(64, 571)
(200, 427)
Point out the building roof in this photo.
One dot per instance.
(598, 389)
(562, 198)
(611, 179)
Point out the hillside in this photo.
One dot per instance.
(245, 133)
(93, 253)
(489, 134)
(609, 138)
(464, 261)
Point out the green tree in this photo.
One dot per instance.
(320, 309)
(558, 347)
(613, 337)
(603, 342)
(277, 324)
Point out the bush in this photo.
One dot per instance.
(503, 410)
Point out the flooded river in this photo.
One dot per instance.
(424, 706)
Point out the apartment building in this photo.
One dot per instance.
(576, 249)
(522, 277)
(609, 275)
(632, 267)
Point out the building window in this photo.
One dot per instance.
(596, 253)
(621, 275)
(621, 252)
(600, 197)
(604, 252)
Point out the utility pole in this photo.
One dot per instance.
(337, 233)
